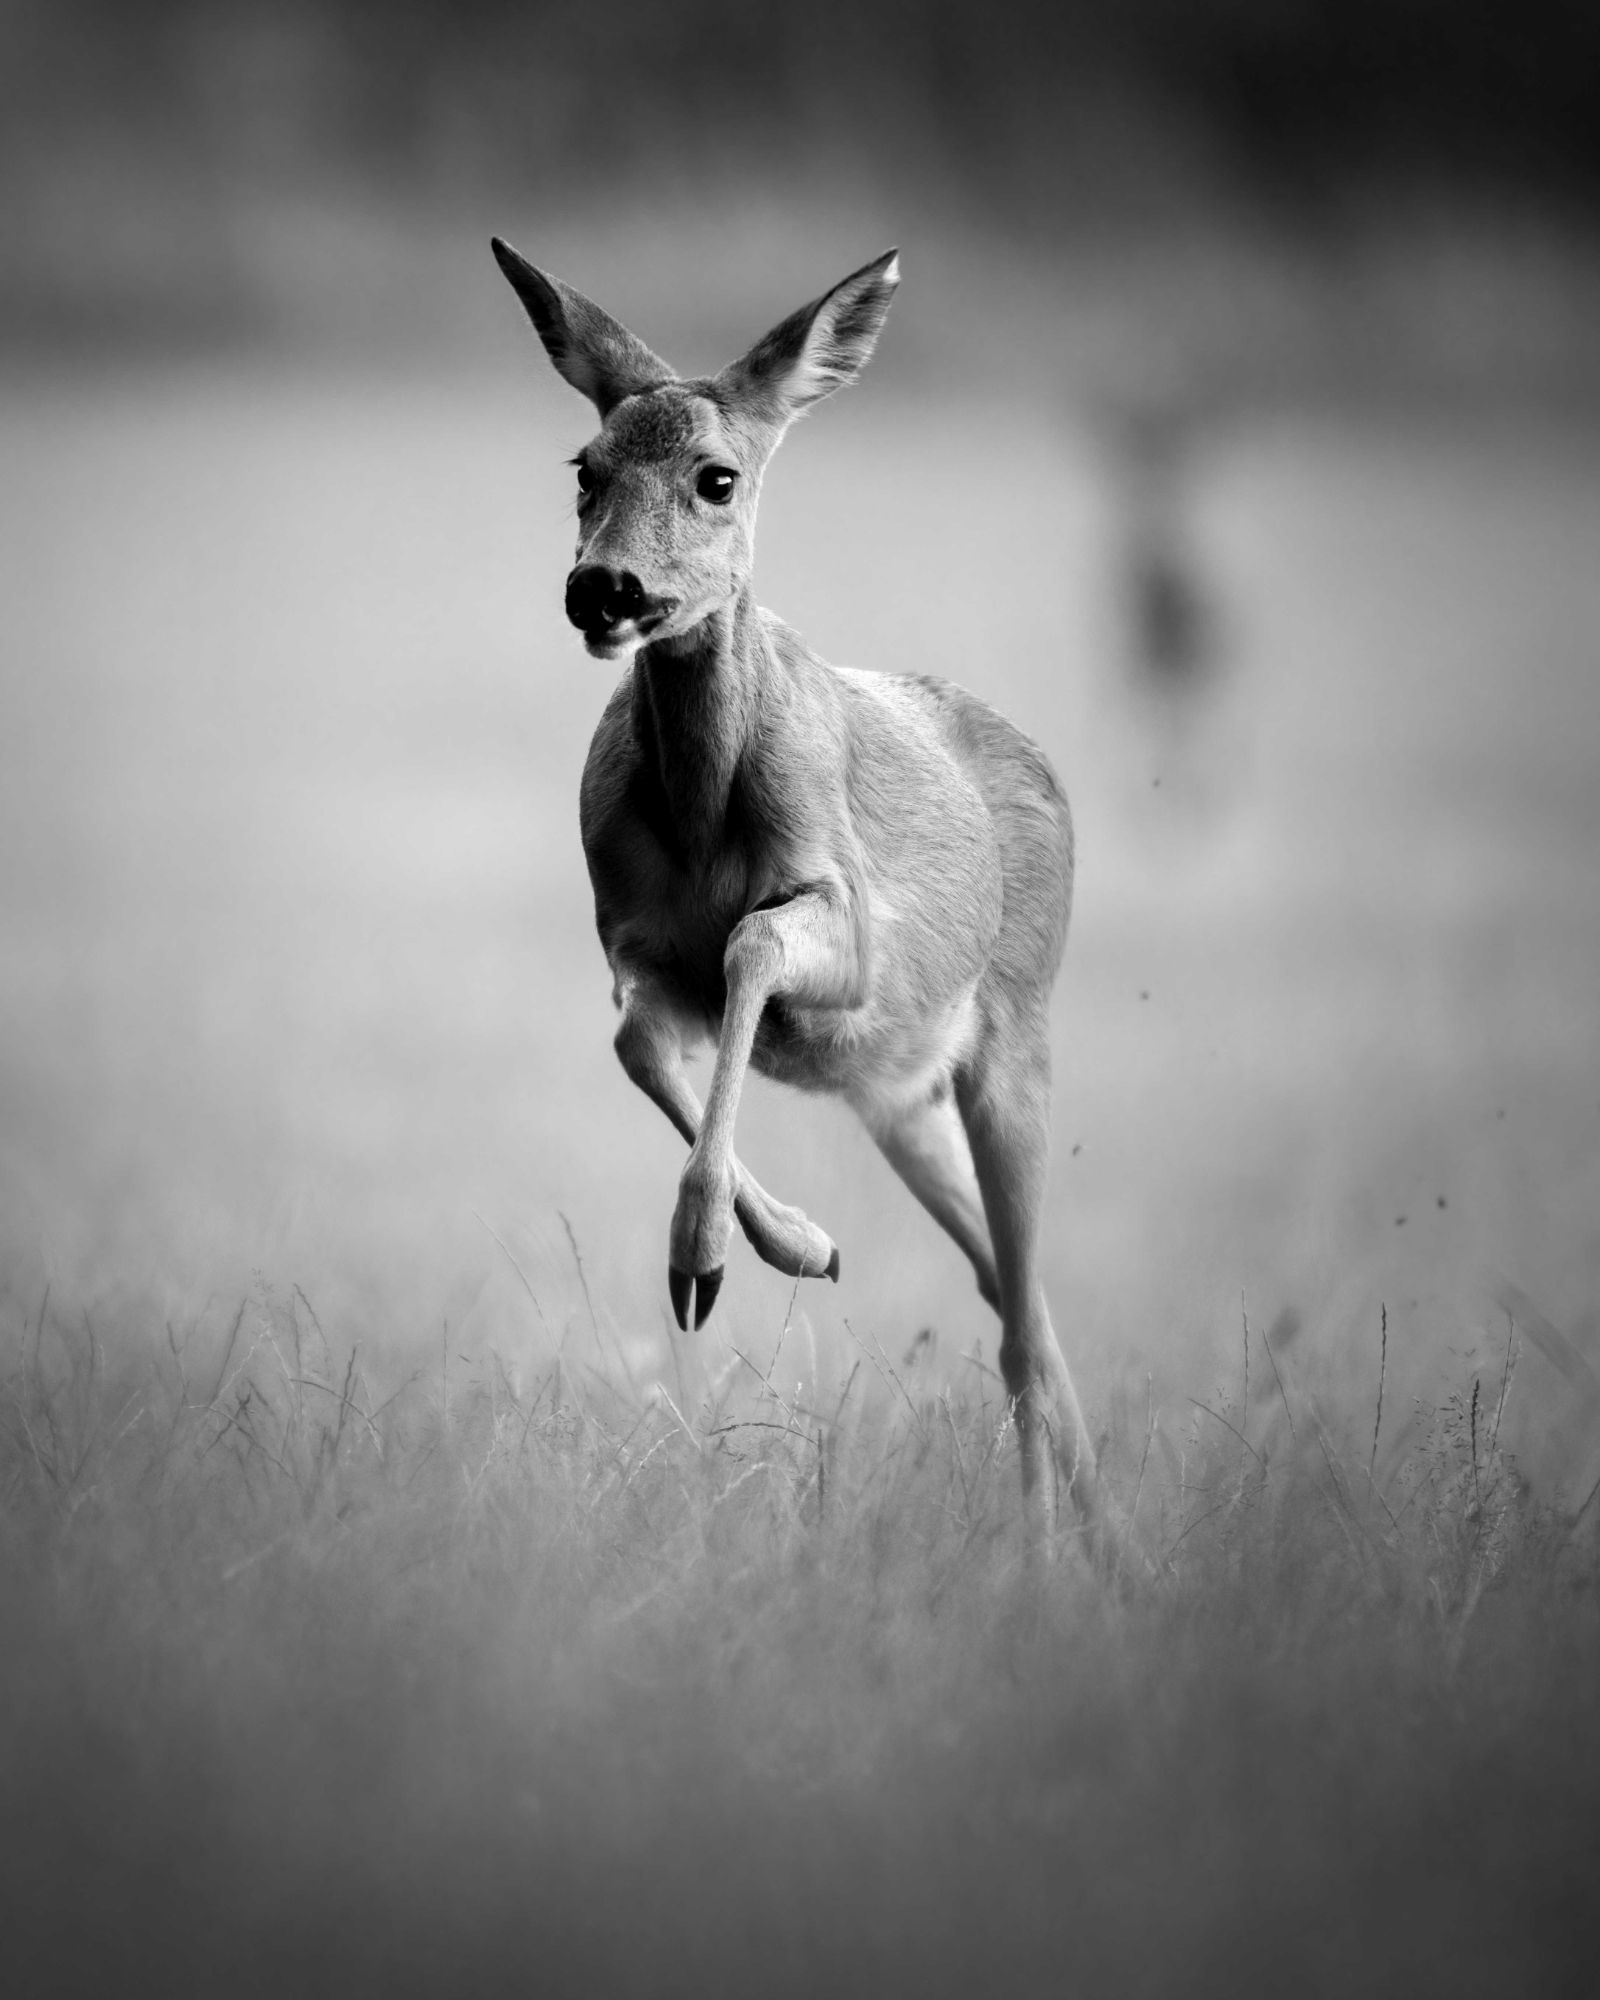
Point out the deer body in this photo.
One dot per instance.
(813, 797)
(856, 883)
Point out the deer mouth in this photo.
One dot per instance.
(610, 642)
(613, 610)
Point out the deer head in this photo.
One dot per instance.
(667, 488)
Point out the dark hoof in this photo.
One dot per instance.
(681, 1284)
(710, 1285)
(833, 1265)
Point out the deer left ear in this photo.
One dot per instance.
(822, 347)
(591, 350)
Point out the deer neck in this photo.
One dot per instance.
(694, 705)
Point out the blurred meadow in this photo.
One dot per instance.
(392, 1602)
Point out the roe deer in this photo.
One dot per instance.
(857, 882)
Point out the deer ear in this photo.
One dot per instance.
(820, 348)
(593, 351)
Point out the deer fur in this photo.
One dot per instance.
(858, 883)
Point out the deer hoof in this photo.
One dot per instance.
(710, 1285)
(682, 1284)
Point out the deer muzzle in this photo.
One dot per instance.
(601, 601)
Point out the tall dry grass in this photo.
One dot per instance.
(443, 1681)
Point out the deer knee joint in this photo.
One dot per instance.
(648, 1040)
(755, 955)
(634, 1043)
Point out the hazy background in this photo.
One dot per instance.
(1246, 352)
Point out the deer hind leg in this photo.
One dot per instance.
(1004, 1099)
(925, 1144)
(650, 1045)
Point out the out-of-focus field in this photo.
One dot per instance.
(298, 991)
(298, 974)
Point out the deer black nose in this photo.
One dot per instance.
(599, 598)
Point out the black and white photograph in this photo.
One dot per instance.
(799, 998)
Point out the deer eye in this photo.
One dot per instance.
(585, 478)
(716, 485)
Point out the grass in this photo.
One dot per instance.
(318, 1682)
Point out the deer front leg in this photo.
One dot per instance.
(804, 950)
(650, 1045)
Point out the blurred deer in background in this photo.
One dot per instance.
(1167, 613)
(858, 883)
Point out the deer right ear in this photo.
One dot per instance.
(820, 348)
(593, 351)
